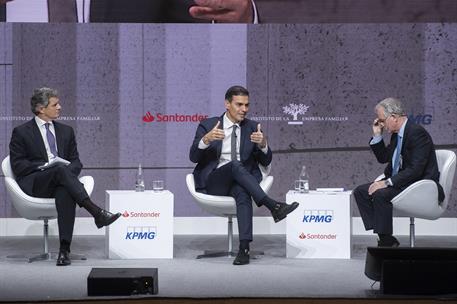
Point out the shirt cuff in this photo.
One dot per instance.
(264, 150)
(376, 139)
(202, 145)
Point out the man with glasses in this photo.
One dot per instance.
(410, 156)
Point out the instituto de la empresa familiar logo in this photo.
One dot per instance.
(295, 109)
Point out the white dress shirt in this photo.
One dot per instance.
(41, 126)
(226, 151)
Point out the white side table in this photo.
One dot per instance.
(321, 226)
(145, 229)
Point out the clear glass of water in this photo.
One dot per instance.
(157, 185)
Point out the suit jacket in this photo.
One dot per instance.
(208, 159)
(418, 158)
(141, 11)
(28, 152)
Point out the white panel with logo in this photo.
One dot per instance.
(321, 226)
(145, 229)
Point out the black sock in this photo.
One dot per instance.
(384, 237)
(244, 245)
(93, 209)
(268, 202)
(64, 245)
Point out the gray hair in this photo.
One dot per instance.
(40, 98)
(391, 106)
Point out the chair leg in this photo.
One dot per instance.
(412, 236)
(217, 254)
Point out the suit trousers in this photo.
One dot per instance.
(234, 180)
(376, 209)
(60, 183)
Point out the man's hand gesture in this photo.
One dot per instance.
(214, 134)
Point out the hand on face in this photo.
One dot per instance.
(378, 126)
(258, 138)
(214, 134)
(237, 11)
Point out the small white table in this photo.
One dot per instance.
(145, 229)
(321, 226)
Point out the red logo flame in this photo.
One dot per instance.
(302, 236)
(125, 214)
(148, 117)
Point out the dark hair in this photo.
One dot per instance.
(40, 98)
(236, 91)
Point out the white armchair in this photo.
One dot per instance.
(421, 198)
(34, 208)
(224, 206)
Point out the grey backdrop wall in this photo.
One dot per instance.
(111, 76)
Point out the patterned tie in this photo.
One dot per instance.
(62, 11)
(51, 140)
(396, 165)
(233, 143)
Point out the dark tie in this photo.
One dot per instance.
(396, 165)
(51, 140)
(233, 143)
(62, 11)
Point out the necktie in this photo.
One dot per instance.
(62, 11)
(233, 143)
(51, 140)
(396, 165)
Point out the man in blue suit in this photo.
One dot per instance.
(228, 151)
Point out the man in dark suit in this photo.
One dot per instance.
(145, 11)
(410, 156)
(228, 151)
(38, 142)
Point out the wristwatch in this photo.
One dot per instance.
(388, 182)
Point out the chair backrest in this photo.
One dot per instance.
(446, 165)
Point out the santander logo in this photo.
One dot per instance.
(148, 117)
(302, 236)
(125, 214)
(173, 118)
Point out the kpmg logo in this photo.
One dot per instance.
(141, 233)
(295, 109)
(159, 117)
(423, 119)
(318, 216)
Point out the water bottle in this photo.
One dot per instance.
(139, 183)
(304, 180)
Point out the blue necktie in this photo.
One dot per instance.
(51, 140)
(396, 164)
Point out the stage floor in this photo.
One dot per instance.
(270, 276)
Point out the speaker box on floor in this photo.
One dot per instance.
(122, 281)
(413, 270)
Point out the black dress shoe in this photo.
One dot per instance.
(389, 241)
(281, 210)
(242, 258)
(105, 218)
(64, 258)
